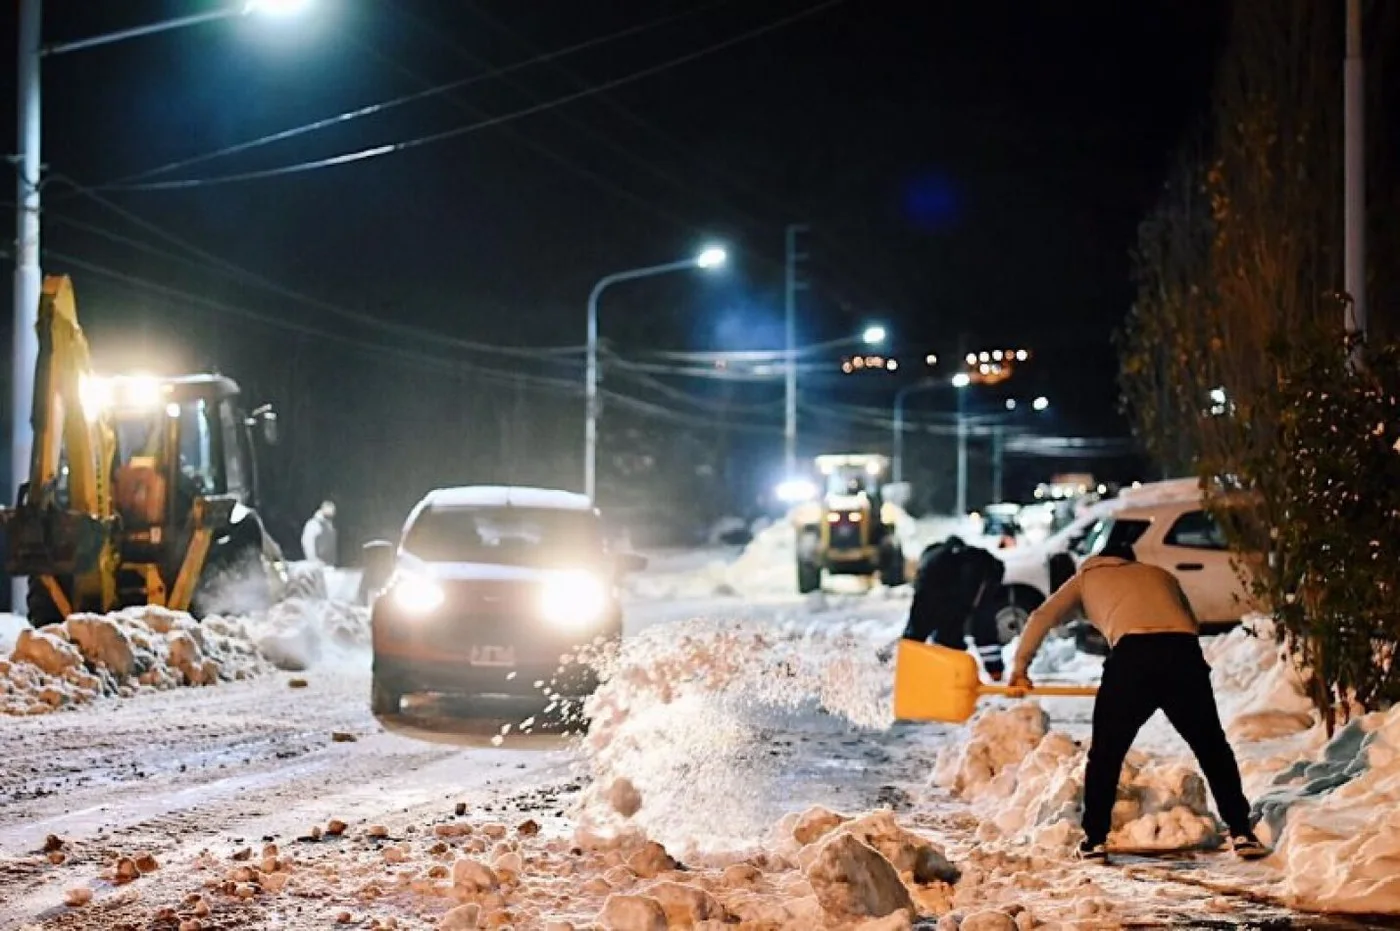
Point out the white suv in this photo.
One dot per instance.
(1166, 525)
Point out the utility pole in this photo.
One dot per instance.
(998, 452)
(1354, 153)
(793, 285)
(960, 508)
(27, 277)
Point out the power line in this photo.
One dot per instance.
(385, 106)
(378, 151)
(410, 358)
(253, 279)
(729, 178)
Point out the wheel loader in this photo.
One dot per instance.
(141, 490)
(850, 528)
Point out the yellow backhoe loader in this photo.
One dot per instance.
(142, 490)
(849, 529)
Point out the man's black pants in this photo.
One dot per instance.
(1145, 673)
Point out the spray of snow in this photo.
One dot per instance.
(300, 633)
(679, 730)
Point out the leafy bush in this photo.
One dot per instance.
(1333, 482)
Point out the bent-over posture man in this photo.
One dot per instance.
(956, 582)
(1155, 662)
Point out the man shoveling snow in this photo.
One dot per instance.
(1155, 663)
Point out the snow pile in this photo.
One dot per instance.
(678, 744)
(299, 633)
(1337, 820)
(466, 871)
(1026, 783)
(1259, 691)
(91, 655)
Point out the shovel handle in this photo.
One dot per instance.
(1048, 691)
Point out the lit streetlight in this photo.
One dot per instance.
(1041, 403)
(27, 206)
(873, 335)
(708, 259)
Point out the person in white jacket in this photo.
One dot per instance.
(318, 541)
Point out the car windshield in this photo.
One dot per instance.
(507, 536)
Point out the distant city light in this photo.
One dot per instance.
(996, 354)
(873, 335)
(1041, 403)
(1022, 355)
(930, 359)
(892, 364)
(984, 357)
(1011, 404)
(972, 358)
(962, 380)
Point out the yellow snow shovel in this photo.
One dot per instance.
(935, 683)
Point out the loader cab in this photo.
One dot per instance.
(182, 438)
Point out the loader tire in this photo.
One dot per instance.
(39, 604)
(809, 577)
(892, 569)
(384, 698)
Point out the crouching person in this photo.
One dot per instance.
(1155, 663)
(955, 584)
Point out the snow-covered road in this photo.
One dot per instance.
(235, 792)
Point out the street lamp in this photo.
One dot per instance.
(29, 162)
(1041, 403)
(707, 259)
(873, 335)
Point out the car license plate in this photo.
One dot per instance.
(492, 656)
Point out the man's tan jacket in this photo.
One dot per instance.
(1119, 597)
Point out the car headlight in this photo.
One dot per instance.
(573, 599)
(417, 594)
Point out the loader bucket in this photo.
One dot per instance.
(934, 683)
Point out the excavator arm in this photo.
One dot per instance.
(50, 538)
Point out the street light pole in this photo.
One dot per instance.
(897, 467)
(26, 284)
(961, 508)
(27, 207)
(710, 258)
(792, 285)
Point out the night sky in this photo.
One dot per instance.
(972, 174)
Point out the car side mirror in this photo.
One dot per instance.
(631, 562)
(265, 418)
(378, 566)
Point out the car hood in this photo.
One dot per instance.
(484, 572)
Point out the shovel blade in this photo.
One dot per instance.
(934, 683)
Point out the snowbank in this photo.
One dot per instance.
(767, 566)
(1026, 784)
(89, 656)
(1337, 821)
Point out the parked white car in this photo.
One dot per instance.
(1167, 526)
